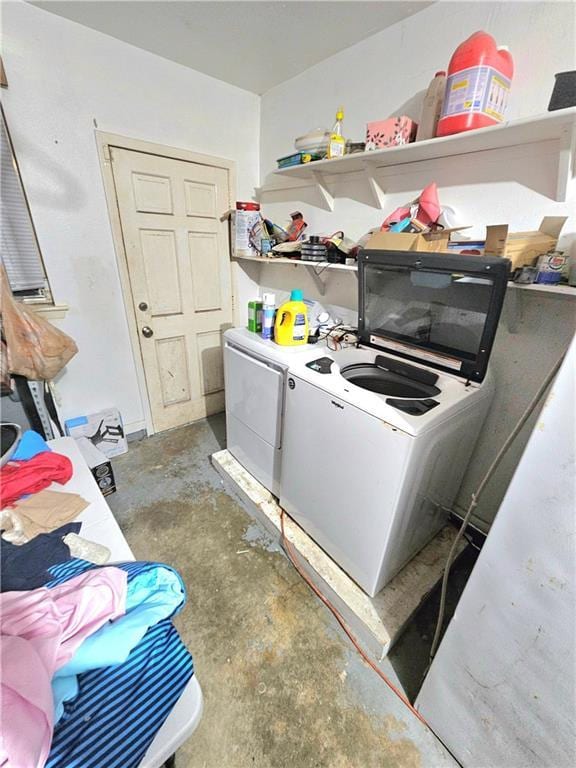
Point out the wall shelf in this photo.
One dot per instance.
(314, 268)
(553, 290)
(559, 126)
(318, 268)
(517, 297)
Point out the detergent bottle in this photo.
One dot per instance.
(291, 327)
(479, 79)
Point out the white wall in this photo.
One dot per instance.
(63, 80)
(387, 75)
(501, 689)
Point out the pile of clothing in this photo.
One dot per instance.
(91, 662)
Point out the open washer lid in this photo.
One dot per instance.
(438, 309)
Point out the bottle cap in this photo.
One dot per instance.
(440, 73)
(340, 113)
(269, 298)
(296, 295)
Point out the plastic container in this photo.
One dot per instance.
(477, 87)
(268, 314)
(291, 326)
(550, 267)
(255, 316)
(432, 107)
(337, 143)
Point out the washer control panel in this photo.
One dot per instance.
(321, 365)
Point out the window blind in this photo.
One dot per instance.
(20, 252)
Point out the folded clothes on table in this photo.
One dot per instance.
(48, 510)
(119, 708)
(40, 631)
(25, 566)
(17, 478)
(31, 444)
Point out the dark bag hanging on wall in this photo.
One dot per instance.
(36, 349)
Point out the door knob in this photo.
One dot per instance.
(143, 306)
(147, 331)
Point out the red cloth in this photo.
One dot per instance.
(17, 478)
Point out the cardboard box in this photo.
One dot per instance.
(393, 132)
(433, 242)
(99, 465)
(241, 223)
(104, 430)
(524, 248)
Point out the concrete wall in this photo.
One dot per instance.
(64, 79)
(387, 75)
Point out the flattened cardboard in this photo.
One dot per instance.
(524, 248)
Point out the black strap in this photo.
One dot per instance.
(51, 406)
(29, 405)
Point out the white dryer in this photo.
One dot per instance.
(255, 378)
(389, 427)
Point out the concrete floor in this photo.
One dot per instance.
(283, 686)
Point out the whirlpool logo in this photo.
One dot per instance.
(338, 405)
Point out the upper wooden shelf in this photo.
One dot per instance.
(557, 126)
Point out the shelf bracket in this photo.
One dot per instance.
(515, 308)
(376, 192)
(325, 195)
(318, 282)
(566, 153)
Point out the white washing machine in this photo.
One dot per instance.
(377, 438)
(255, 378)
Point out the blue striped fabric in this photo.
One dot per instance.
(119, 709)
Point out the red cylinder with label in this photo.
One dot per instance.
(477, 87)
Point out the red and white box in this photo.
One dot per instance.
(392, 132)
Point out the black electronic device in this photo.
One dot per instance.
(437, 309)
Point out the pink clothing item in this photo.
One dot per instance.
(40, 631)
(428, 212)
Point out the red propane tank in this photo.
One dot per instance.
(477, 86)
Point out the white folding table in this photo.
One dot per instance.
(99, 525)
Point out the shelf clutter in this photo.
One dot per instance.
(559, 126)
(463, 113)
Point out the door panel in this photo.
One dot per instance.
(152, 194)
(159, 256)
(173, 368)
(205, 264)
(200, 199)
(178, 261)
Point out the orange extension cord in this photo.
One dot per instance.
(339, 618)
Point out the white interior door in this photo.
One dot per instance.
(178, 262)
